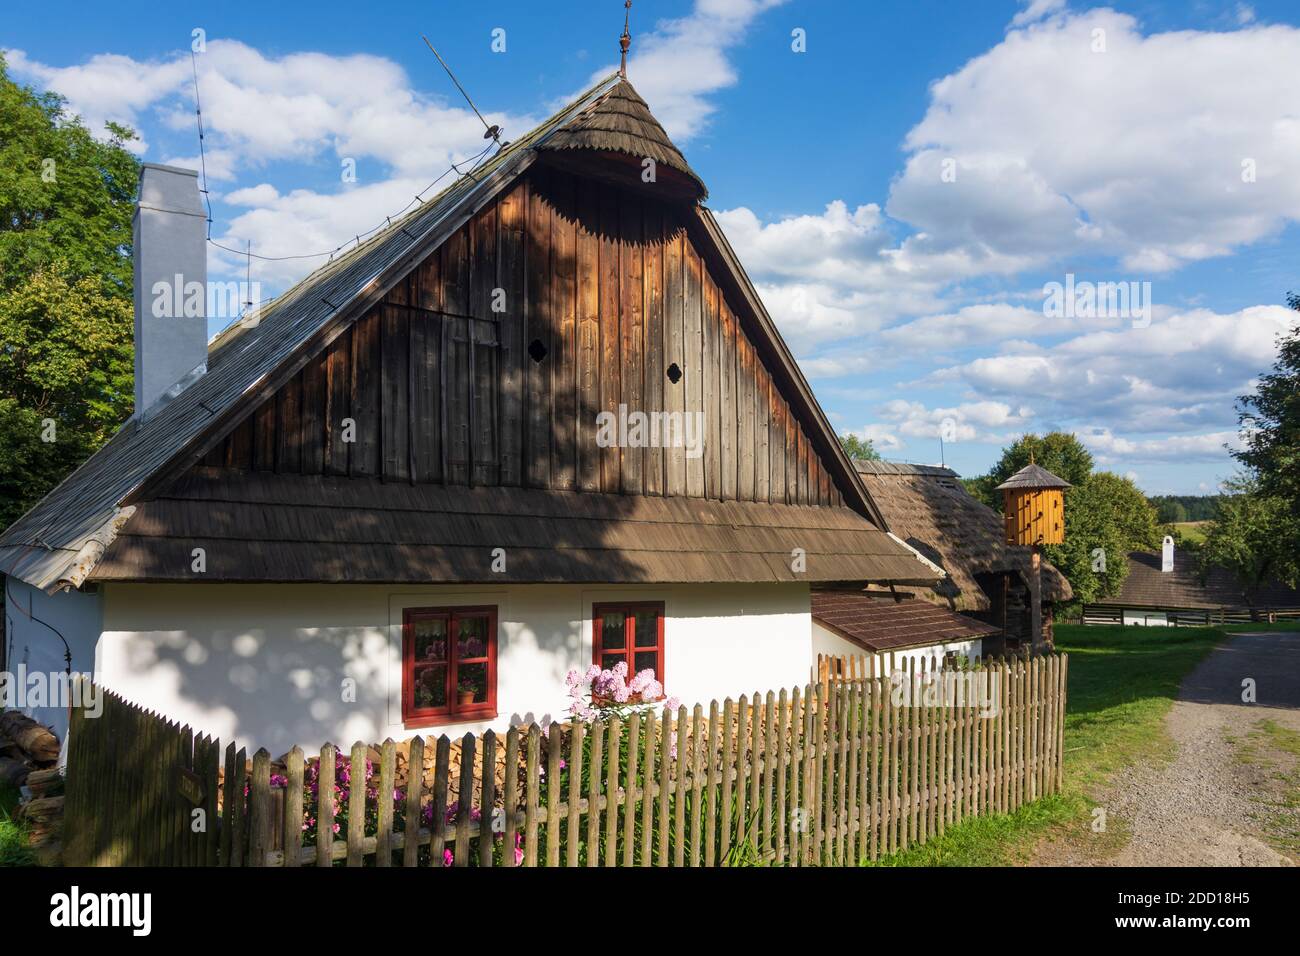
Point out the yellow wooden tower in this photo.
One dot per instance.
(1033, 507)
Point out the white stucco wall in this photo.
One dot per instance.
(33, 622)
(264, 664)
(826, 641)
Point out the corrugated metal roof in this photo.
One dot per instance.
(60, 539)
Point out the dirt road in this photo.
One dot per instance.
(1228, 796)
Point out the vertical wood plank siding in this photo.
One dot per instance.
(437, 383)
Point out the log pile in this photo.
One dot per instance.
(29, 753)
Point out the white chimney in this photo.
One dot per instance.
(1167, 555)
(171, 284)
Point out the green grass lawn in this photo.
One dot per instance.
(1279, 626)
(1192, 531)
(1122, 682)
(13, 841)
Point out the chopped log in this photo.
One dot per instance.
(38, 742)
(44, 810)
(45, 783)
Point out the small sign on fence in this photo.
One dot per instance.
(190, 786)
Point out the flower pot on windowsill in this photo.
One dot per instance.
(465, 697)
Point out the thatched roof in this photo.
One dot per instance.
(621, 122)
(879, 622)
(928, 507)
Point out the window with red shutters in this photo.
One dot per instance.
(629, 632)
(449, 664)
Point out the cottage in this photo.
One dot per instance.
(384, 503)
(985, 578)
(1183, 595)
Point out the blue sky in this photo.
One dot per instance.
(901, 191)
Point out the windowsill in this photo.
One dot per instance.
(441, 720)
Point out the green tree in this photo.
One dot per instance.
(1270, 422)
(1106, 517)
(859, 449)
(1251, 537)
(65, 291)
(1059, 452)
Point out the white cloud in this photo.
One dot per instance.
(1063, 150)
(1109, 449)
(682, 62)
(1181, 374)
(983, 421)
(1036, 10)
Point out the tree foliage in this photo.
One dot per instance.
(65, 291)
(1106, 515)
(859, 449)
(1249, 537)
(1257, 533)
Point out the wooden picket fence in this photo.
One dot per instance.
(848, 768)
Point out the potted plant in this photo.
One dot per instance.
(465, 692)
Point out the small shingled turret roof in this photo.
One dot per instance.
(621, 122)
(1034, 476)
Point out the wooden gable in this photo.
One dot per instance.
(601, 292)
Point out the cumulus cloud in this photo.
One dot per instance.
(1179, 374)
(680, 63)
(1075, 136)
(1109, 449)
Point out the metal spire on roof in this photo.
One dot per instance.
(625, 40)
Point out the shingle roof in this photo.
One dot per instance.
(62, 537)
(285, 528)
(621, 121)
(1148, 586)
(878, 622)
(1033, 476)
(61, 540)
(931, 510)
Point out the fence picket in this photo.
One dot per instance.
(441, 784)
(510, 797)
(487, 803)
(851, 767)
(414, 797)
(465, 802)
(324, 807)
(356, 834)
(532, 795)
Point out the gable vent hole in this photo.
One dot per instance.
(537, 351)
(674, 373)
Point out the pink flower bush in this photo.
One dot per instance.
(596, 692)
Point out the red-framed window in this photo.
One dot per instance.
(449, 664)
(629, 632)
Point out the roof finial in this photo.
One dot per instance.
(625, 40)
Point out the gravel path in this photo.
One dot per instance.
(1196, 810)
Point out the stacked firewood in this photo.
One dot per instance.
(29, 753)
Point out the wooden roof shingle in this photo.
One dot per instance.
(928, 507)
(879, 622)
(295, 528)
